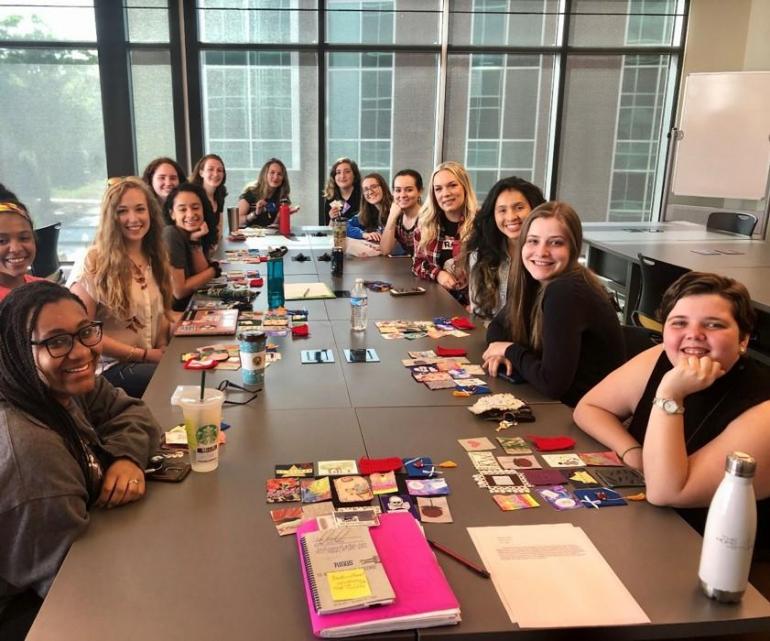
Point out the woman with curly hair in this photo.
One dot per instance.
(376, 200)
(209, 172)
(487, 252)
(259, 202)
(125, 284)
(445, 221)
(342, 194)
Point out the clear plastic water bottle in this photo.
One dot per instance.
(359, 306)
(731, 526)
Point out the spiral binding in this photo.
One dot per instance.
(311, 579)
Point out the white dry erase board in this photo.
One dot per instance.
(725, 149)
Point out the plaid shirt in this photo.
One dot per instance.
(426, 263)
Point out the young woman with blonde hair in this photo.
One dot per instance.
(445, 221)
(259, 202)
(557, 329)
(125, 284)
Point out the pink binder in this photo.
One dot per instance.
(423, 596)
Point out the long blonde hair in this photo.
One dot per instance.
(524, 304)
(107, 259)
(429, 219)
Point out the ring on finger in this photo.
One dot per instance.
(134, 482)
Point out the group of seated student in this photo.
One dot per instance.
(71, 441)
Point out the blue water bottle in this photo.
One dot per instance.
(275, 278)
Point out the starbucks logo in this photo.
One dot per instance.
(206, 434)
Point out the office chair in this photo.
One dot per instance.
(657, 276)
(638, 339)
(46, 264)
(733, 222)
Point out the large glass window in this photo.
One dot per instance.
(261, 105)
(258, 21)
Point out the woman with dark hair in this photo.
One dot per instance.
(404, 213)
(209, 172)
(125, 284)
(376, 200)
(342, 194)
(185, 239)
(691, 401)
(69, 442)
(259, 202)
(17, 243)
(487, 252)
(557, 329)
(163, 175)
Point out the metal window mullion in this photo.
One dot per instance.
(438, 139)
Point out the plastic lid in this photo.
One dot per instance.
(740, 464)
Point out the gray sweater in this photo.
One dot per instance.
(43, 503)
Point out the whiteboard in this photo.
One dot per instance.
(725, 151)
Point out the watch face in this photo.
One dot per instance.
(670, 407)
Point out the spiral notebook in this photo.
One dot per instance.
(344, 570)
(423, 597)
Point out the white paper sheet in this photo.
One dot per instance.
(552, 576)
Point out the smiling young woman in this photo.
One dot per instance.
(376, 200)
(342, 194)
(210, 173)
(401, 225)
(557, 329)
(17, 243)
(163, 175)
(259, 202)
(70, 442)
(124, 283)
(190, 267)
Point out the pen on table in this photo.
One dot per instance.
(307, 291)
(460, 559)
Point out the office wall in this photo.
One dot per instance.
(723, 36)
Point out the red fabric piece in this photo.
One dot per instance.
(256, 282)
(372, 465)
(551, 443)
(460, 322)
(449, 351)
(300, 330)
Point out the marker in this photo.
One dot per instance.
(460, 559)
(307, 291)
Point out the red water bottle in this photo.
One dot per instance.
(284, 214)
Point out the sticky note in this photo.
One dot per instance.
(348, 584)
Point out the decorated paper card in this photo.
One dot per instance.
(477, 444)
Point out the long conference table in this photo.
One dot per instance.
(201, 559)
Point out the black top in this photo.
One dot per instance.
(350, 206)
(706, 414)
(268, 214)
(180, 257)
(582, 340)
(449, 238)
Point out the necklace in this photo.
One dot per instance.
(137, 273)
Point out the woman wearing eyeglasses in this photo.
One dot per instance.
(69, 442)
(342, 195)
(376, 200)
(125, 283)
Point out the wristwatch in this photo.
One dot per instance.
(669, 406)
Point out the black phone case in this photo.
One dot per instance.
(171, 473)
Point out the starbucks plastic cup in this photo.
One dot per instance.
(202, 419)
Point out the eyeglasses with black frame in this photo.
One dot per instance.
(60, 345)
(227, 385)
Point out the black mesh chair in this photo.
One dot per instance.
(638, 339)
(657, 276)
(734, 222)
(46, 264)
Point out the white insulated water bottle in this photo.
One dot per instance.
(731, 526)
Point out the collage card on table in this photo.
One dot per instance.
(511, 481)
(348, 516)
(619, 477)
(510, 502)
(559, 497)
(600, 497)
(484, 461)
(399, 503)
(299, 470)
(436, 385)
(427, 487)
(601, 458)
(419, 466)
(521, 462)
(569, 459)
(282, 490)
(286, 520)
(434, 509)
(316, 490)
(352, 489)
(514, 445)
(337, 468)
(582, 479)
(544, 477)
(383, 482)
(477, 444)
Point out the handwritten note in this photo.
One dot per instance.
(348, 584)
